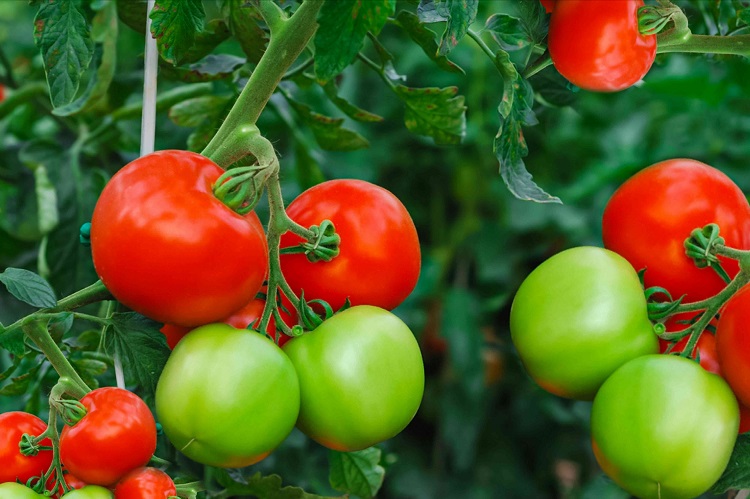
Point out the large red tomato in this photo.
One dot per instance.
(117, 435)
(596, 44)
(14, 465)
(380, 258)
(166, 247)
(733, 343)
(145, 483)
(649, 217)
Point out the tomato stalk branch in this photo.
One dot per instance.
(680, 38)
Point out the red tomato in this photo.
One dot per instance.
(649, 217)
(380, 258)
(549, 5)
(145, 483)
(117, 435)
(706, 350)
(733, 343)
(14, 465)
(596, 44)
(167, 248)
(241, 319)
(744, 418)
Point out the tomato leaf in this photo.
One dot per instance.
(141, 346)
(20, 384)
(133, 14)
(343, 27)
(357, 473)
(328, 131)
(257, 485)
(28, 287)
(206, 40)
(242, 18)
(427, 39)
(88, 369)
(211, 68)
(508, 31)
(205, 114)
(14, 342)
(737, 473)
(62, 34)
(104, 35)
(458, 14)
(347, 107)
(175, 24)
(436, 112)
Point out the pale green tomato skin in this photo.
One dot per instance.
(227, 397)
(579, 316)
(90, 492)
(664, 428)
(13, 490)
(361, 378)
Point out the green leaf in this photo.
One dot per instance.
(328, 131)
(175, 24)
(343, 27)
(358, 473)
(141, 347)
(459, 14)
(60, 324)
(61, 33)
(257, 485)
(508, 31)
(215, 33)
(133, 14)
(10, 370)
(89, 369)
(737, 473)
(104, 35)
(347, 107)
(212, 68)
(14, 341)
(744, 15)
(20, 385)
(205, 113)
(427, 39)
(28, 287)
(243, 18)
(436, 112)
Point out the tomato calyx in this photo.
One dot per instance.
(71, 411)
(652, 19)
(240, 188)
(322, 245)
(702, 247)
(29, 444)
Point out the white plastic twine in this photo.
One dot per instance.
(148, 125)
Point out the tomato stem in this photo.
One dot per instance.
(679, 38)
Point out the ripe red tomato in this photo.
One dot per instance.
(380, 258)
(117, 435)
(167, 248)
(14, 465)
(241, 319)
(549, 5)
(596, 44)
(733, 343)
(2, 93)
(649, 217)
(145, 483)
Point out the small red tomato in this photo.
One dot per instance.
(706, 351)
(145, 483)
(549, 5)
(117, 435)
(14, 465)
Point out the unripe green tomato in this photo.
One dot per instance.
(90, 492)
(663, 427)
(577, 317)
(361, 378)
(13, 490)
(227, 397)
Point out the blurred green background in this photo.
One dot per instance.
(485, 430)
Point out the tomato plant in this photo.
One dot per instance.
(14, 465)
(145, 483)
(159, 241)
(117, 434)
(246, 388)
(13, 490)
(671, 438)
(361, 378)
(596, 44)
(642, 223)
(379, 258)
(577, 317)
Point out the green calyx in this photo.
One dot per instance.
(322, 245)
(241, 188)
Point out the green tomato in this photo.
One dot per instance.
(577, 317)
(361, 378)
(227, 397)
(13, 490)
(663, 427)
(90, 492)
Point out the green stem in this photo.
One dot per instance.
(478, 39)
(11, 81)
(537, 66)
(289, 37)
(21, 96)
(679, 38)
(91, 294)
(369, 62)
(272, 14)
(36, 330)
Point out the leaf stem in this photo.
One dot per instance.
(538, 65)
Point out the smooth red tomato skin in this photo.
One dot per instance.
(379, 261)
(145, 483)
(733, 343)
(14, 465)
(596, 44)
(649, 217)
(549, 5)
(117, 435)
(167, 248)
(663, 427)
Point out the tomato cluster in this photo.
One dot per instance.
(662, 425)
